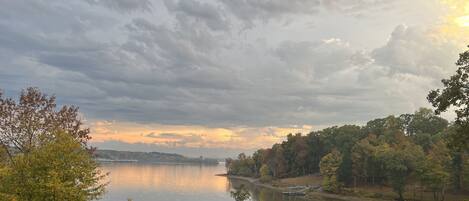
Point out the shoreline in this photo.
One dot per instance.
(310, 196)
(256, 182)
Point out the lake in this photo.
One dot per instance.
(173, 182)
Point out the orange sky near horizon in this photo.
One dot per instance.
(192, 135)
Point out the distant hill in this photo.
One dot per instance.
(148, 157)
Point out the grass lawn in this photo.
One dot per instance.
(365, 192)
(311, 180)
(412, 193)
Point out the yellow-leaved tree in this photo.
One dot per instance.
(44, 154)
(329, 167)
(60, 170)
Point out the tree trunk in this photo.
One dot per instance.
(354, 183)
(401, 197)
(461, 173)
(443, 193)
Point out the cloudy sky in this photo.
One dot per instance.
(216, 77)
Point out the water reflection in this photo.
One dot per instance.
(240, 194)
(261, 193)
(165, 182)
(182, 178)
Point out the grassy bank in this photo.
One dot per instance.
(282, 185)
(361, 193)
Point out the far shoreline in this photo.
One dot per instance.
(157, 163)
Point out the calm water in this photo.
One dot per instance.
(162, 182)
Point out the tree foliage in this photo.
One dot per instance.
(401, 160)
(329, 167)
(455, 93)
(388, 150)
(34, 119)
(240, 194)
(435, 171)
(44, 153)
(59, 170)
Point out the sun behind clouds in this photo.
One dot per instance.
(454, 26)
(463, 20)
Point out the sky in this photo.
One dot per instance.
(219, 77)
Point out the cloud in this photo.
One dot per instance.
(317, 59)
(191, 68)
(252, 11)
(357, 7)
(193, 11)
(126, 6)
(416, 51)
(173, 139)
(265, 10)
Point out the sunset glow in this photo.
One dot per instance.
(191, 136)
(463, 21)
(455, 24)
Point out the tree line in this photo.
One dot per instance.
(420, 148)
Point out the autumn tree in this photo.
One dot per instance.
(33, 120)
(329, 167)
(44, 151)
(60, 169)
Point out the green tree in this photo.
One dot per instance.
(343, 139)
(259, 159)
(383, 127)
(435, 170)
(455, 93)
(401, 161)
(265, 173)
(279, 163)
(59, 170)
(329, 167)
(316, 149)
(423, 127)
(425, 121)
(365, 165)
(465, 172)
